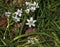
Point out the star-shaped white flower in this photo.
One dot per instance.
(32, 9)
(7, 14)
(19, 12)
(31, 22)
(16, 19)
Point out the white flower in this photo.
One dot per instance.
(31, 41)
(31, 22)
(35, 4)
(32, 9)
(32, 6)
(7, 14)
(27, 11)
(19, 12)
(28, 3)
(16, 19)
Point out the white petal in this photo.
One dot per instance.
(31, 18)
(33, 25)
(27, 10)
(16, 13)
(29, 41)
(32, 42)
(5, 12)
(21, 9)
(28, 20)
(27, 3)
(8, 15)
(34, 3)
(18, 19)
(12, 16)
(20, 15)
(37, 5)
(34, 21)
(9, 12)
(33, 9)
(27, 23)
(18, 9)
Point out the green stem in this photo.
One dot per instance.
(22, 25)
(6, 28)
(3, 42)
(25, 35)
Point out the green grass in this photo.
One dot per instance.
(47, 26)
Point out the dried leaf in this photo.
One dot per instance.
(3, 21)
(30, 30)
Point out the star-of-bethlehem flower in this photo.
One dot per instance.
(7, 14)
(18, 13)
(32, 6)
(31, 22)
(16, 19)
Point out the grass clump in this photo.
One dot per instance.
(30, 23)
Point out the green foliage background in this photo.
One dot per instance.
(47, 26)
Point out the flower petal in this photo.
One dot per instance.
(32, 42)
(17, 19)
(29, 41)
(37, 6)
(28, 20)
(33, 9)
(34, 3)
(33, 25)
(20, 15)
(16, 13)
(34, 21)
(27, 23)
(31, 18)
(27, 11)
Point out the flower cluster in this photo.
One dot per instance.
(7, 14)
(33, 40)
(31, 6)
(17, 15)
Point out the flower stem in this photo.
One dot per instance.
(6, 28)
